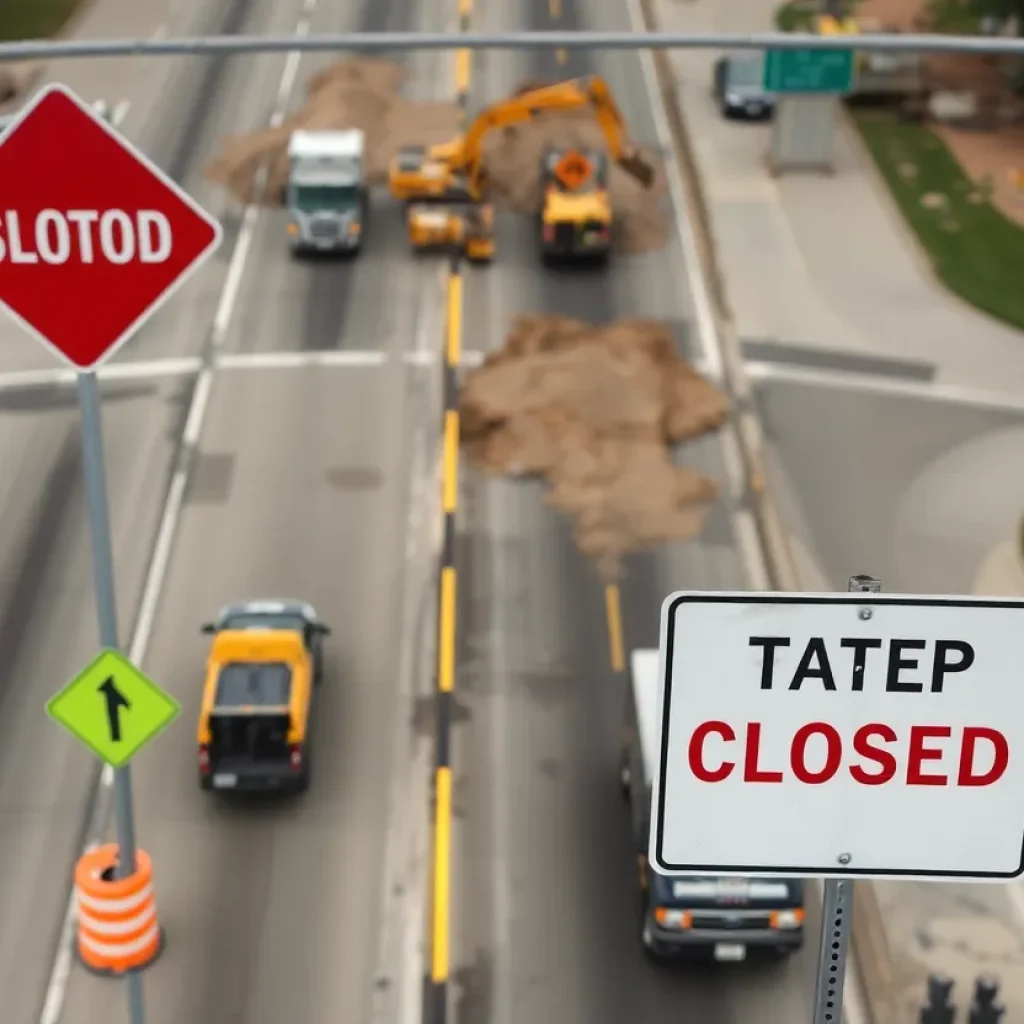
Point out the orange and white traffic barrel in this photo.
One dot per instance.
(118, 929)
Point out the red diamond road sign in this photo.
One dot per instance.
(94, 237)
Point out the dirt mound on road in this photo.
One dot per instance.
(595, 411)
(354, 92)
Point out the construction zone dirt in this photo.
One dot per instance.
(367, 93)
(596, 412)
(513, 160)
(351, 93)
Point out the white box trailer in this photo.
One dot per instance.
(326, 192)
(720, 918)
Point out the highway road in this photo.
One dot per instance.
(547, 905)
(305, 481)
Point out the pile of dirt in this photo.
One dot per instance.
(513, 161)
(595, 411)
(354, 92)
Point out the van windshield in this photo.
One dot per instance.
(254, 684)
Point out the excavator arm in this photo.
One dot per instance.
(463, 158)
(592, 91)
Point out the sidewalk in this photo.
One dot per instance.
(821, 262)
(961, 931)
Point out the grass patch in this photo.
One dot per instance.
(976, 251)
(33, 19)
(795, 16)
(799, 15)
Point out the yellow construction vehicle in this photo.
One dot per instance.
(576, 210)
(470, 229)
(453, 175)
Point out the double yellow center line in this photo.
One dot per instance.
(435, 1005)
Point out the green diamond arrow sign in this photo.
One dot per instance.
(113, 708)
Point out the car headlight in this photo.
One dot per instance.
(731, 97)
(668, 918)
(787, 918)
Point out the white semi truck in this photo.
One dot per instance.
(326, 192)
(683, 916)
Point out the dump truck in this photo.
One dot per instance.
(576, 210)
(326, 191)
(452, 174)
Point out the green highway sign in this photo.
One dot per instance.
(809, 71)
(113, 708)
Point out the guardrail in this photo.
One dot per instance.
(35, 49)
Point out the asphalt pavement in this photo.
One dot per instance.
(302, 484)
(548, 904)
(275, 909)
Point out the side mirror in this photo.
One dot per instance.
(208, 627)
(322, 629)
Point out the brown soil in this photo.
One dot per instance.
(351, 93)
(364, 93)
(595, 412)
(995, 154)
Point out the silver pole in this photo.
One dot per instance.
(451, 41)
(106, 610)
(837, 908)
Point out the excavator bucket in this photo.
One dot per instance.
(637, 167)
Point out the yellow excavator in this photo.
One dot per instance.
(445, 185)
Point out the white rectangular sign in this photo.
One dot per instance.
(847, 735)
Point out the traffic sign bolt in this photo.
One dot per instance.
(865, 613)
(844, 858)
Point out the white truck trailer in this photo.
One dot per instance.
(680, 916)
(326, 192)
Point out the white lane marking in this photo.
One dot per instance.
(155, 369)
(120, 112)
(707, 330)
(27, 380)
(844, 380)
(60, 975)
(298, 360)
(291, 69)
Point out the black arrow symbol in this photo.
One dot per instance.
(115, 701)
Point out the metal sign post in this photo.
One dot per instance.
(106, 610)
(837, 905)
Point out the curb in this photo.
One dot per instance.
(871, 954)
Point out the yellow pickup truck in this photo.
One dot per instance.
(259, 696)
